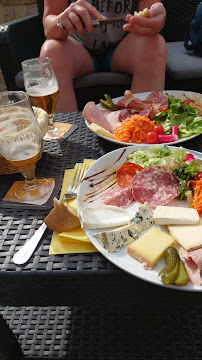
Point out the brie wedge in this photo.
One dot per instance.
(103, 216)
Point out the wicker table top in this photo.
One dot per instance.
(51, 280)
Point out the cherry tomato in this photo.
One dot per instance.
(198, 176)
(159, 129)
(152, 137)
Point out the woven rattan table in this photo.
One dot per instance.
(118, 315)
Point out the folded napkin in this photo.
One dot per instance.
(74, 241)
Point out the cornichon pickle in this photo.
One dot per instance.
(182, 278)
(172, 276)
(171, 256)
(108, 103)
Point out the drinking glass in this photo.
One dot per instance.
(42, 87)
(20, 143)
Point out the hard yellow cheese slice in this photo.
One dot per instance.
(150, 247)
(100, 130)
(188, 236)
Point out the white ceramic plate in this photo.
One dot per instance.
(108, 164)
(142, 96)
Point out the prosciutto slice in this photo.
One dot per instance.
(193, 264)
(105, 118)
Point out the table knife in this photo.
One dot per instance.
(96, 23)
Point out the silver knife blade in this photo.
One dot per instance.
(96, 23)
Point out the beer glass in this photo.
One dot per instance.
(20, 143)
(42, 87)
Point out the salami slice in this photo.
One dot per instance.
(158, 97)
(118, 196)
(156, 185)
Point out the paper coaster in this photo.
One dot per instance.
(63, 131)
(10, 201)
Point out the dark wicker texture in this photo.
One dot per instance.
(130, 333)
(102, 312)
(16, 37)
(77, 277)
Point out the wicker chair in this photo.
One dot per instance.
(22, 39)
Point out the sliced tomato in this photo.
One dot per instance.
(186, 102)
(126, 172)
(198, 176)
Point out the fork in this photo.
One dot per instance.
(72, 190)
(23, 255)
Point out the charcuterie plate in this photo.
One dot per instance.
(103, 171)
(183, 95)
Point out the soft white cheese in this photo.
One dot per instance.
(170, 215)
(114, 240)
(143, 218)
(103, 216)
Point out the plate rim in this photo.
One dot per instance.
(121, 143)
(189, 287)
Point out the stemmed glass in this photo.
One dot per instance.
(42, 87)
(20, 143)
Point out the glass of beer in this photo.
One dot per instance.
(42, 87)
(20, 143)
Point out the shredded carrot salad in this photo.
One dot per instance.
(197, 198)
(134, 129)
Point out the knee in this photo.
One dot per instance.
(157, 51)
(50, 49)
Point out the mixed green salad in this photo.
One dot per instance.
(178, 160)
(182, 115)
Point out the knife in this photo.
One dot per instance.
(96, 23)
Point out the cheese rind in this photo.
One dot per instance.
(150, 247)
(170, 215)
(114, 240)
(187, 236)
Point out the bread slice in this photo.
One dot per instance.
(62, 218)
(143, 13)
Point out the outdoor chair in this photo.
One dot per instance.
(22, 39)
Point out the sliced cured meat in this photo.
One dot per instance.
(105, 118)
(130, 102)
(126, 172)
(118, 196)
(193, 265)
(156, 185)
(158, 97)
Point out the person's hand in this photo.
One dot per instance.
(147, 25)
(77, 15)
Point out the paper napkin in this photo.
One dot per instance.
(74, 241)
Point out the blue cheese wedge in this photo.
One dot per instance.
(171, 215)
(143, 219)
(114, 240)
(103, 216)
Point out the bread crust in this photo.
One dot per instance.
(62, 218)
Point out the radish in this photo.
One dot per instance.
(167, 138)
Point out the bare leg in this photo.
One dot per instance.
(70, 60)
(145, 58)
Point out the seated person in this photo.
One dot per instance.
(75, 47)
